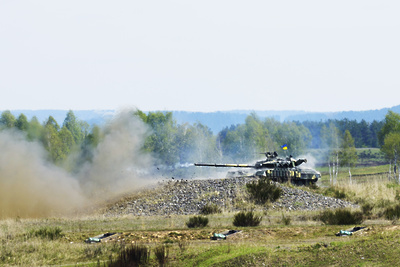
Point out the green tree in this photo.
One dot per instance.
(391, 145)
(35, 129)
(330, 137)
(67, 142)
(196, 143)
(348, 153)
(51, 140)
(86, 149)
(162, 139)
(389, 136)
(51, 122)
(255, 136)
(7, 120)
(274, 141)
(297, 137)
(246, 141)
(232, 142)
(391, 124)
(22, 123)
(391, 148)
(53, 143)
(93, 138)
(74, 126)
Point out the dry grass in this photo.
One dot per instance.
(373, 191)
(20, 248)
(192, 247)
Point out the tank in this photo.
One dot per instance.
(277, 169)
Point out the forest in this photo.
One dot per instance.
(173, 145)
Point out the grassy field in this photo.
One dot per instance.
(302, 240)
(272, 243)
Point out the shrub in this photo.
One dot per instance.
(393, 212)
(161, 253)
(341, 216)
(47, 232)
(183, 245)
(366, 209)
(313, 186)
(248, 218)
(210, 209)
(286, 220)
(383, 203)
(334, 192)
(263, 190)
(397, 197)
(132, 256)
(197, 221)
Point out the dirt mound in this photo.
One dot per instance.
(185, 197)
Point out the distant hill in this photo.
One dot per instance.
(217, 121)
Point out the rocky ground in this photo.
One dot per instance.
(190, 196)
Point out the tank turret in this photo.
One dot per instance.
(278, 169)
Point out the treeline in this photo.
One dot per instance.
(58, 140)
(365, 134)
(173, 144)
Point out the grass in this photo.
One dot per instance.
(260, 243)
(275, 241)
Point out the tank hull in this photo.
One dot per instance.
(295, 176)
(274, 168)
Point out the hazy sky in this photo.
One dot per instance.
(200, 55)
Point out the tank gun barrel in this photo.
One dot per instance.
(225, 165)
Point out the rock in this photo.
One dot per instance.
(189, 197)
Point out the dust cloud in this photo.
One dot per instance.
(118, 163)
(30, 186)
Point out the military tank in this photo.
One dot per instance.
(277, 169)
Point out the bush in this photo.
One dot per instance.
(313, 186)
(197, 221)
(248, 218)
(161, 253)
(393, 212)
(263, 190)
(341, 216)
(367, 209)
(383, 203)
(47, 232)
(334, 192)
(132, 256)
(286, 220)
(210, 209)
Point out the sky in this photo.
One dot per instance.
(199, 55)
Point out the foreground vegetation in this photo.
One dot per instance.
(280, 238)
(301, 243)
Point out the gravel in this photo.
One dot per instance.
(187, 197)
